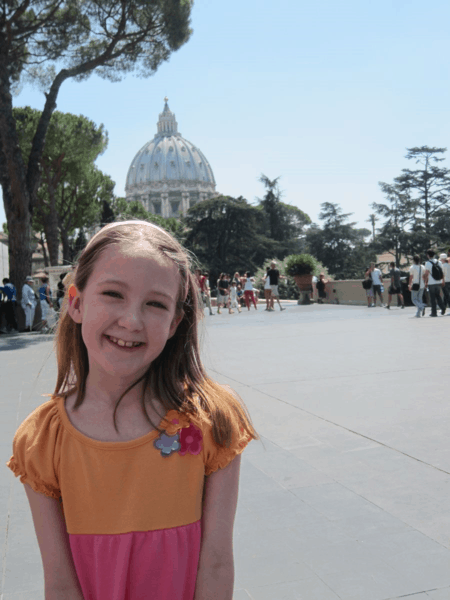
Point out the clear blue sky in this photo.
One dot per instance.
(326, 95)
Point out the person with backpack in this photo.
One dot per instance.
(434, 279)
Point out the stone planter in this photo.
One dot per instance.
(304, 284)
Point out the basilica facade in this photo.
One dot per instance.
(169, 174)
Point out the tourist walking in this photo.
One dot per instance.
(237, 278)
(445, 265)
(203, 285)
(267, 290)
(222, 292)
(417, 286)
(377, 282)
(28, 302)
(320, 285)
(9, 305)
(234, 302)
(434, 279)
(60, 292)
(45, 298)
(367, 285)
(396, 285)
(248, 290)
(274, 276)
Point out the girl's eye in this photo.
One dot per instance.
(158, 304)
(112, 294)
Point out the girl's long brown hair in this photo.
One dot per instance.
(176, 377)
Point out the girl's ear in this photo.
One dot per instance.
(176, 321)
(74, 308)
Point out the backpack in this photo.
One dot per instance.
(436, 270)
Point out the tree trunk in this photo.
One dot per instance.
(52, 231)
(19, 248)
(16, 198)
(44, 251)
(67, 250)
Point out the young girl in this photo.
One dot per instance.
(132, 467)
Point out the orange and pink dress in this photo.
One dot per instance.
(132, 509)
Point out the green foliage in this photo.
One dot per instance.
(72, 188)
(224, 234)
(283, 222)
(418, 201)
(339, 245)
(123, 210)
(301, 264)
(113, 38)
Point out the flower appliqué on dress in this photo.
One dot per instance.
(180, 436)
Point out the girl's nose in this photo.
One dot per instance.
(131, 319)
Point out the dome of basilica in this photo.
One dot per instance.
(169, 174)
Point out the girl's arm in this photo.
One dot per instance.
(60, 577)
(215, 574)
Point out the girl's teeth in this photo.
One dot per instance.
(122, 343)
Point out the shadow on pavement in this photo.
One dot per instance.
(24, 340)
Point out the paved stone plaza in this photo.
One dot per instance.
(347, 498)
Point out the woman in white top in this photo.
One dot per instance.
(417, 285)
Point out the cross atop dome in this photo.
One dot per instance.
(167, 124)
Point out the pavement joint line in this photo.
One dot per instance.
(412, 595)
(8, 517)
(337, 424)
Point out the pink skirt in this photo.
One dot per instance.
(159, 565)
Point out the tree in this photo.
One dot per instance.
(109, 37)
(124, 210)
(399, 215)
(338, 245)
(284, 222)
(70, 187)
(225, 234)
(427, 188)
(372, 220)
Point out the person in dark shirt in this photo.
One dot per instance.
(274, 276)
(396, 285)
(8, 306)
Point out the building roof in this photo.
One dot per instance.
(168, 157)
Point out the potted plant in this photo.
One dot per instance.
(302, 267)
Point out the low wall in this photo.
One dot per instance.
(352, 292)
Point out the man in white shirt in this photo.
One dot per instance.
(417, 272)
(445, 265)
(377, 280)
(28, 302)
(434, 284)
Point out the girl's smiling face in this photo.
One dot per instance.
(130, 298)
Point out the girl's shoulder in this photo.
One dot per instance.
(35, 449)
(229, 422)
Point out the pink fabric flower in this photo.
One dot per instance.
(191, 440)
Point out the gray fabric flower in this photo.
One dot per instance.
(167, 443)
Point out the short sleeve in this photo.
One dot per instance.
(35, 450)
(218, 457)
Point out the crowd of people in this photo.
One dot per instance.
(426, 281)
(29, 302)
(239, 291)
(427, 278)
